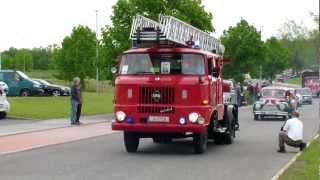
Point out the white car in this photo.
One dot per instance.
(4, 104)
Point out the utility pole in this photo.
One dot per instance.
(97, 55)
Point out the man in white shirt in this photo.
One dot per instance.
(292, 134)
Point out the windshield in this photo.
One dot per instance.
(307, 92)
(190, 64)
(273, 93)
(23, 75)
(43, 82)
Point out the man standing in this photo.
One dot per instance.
(292, 134)
(76, 101)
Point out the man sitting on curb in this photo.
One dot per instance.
(292, 134)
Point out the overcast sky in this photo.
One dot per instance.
(35, 23)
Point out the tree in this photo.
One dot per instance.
(77, 55)
(244, 48)
(116, 37)
(276, 58)
(23, 60)
(302, 45)
(41, 58)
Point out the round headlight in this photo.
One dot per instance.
(193, 117)
(182, 120)
(120, 116)
(257, 106)
(282, 106)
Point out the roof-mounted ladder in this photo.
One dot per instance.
(172, 30)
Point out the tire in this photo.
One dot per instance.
(230, 134)
(3, 115)
(218, 138)
(131, 141)
(162, 140)
(56, 93)
(200, 141)
(25, 93)
(258, 117)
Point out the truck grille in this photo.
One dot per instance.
(156, 109)
(156, 95)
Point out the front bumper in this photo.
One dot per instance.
(158, 128)
(140, 121)
(271, 113)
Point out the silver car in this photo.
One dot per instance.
(305, 94)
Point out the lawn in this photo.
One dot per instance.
(296, 80)
(49, 75)
(42, 108)
(307, 166)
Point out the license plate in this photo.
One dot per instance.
(161, 119)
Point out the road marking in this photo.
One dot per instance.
(32, 140)
(286, 166)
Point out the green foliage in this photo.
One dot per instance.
(244, 48)
(116, 37)
(302, 45)
(18, 59)
(77, 55)
(276, 58)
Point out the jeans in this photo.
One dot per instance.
(74, 109)
(284, 139)
(78, 112)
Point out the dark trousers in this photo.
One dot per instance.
(285, 139)
(78, 113)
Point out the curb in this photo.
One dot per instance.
(286, 166)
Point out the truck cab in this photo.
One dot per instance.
(167, 91)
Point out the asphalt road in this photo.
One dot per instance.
(252, 156)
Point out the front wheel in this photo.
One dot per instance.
(56, 93)
(131, 141)
(3, 115)
(200, 141)
(25, 93)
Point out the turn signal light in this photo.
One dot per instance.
(205, 101)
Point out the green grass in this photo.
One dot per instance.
(307, 166)
(296, 80)
(42, 108)
(48, 75)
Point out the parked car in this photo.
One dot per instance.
(4, 87)
(272, 104)
(4, 104)
(53, 89)
(305, 94)
(20, 84)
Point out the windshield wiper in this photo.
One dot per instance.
(144, 72)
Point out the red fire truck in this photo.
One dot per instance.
(169, 85)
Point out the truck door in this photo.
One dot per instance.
(213, 83)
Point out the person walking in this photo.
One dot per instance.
(291, 103)
(76, 101)
(292, 134)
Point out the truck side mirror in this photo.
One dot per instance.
(215, 72)
(114, 70)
